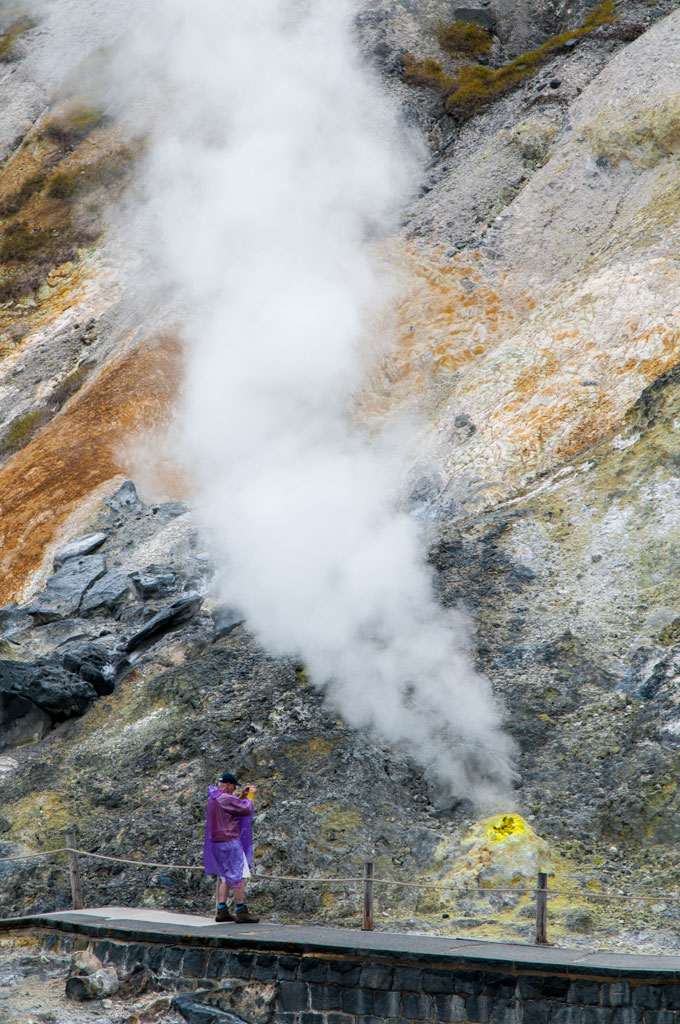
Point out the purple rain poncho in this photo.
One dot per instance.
(230, 854)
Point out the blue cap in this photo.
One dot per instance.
(228, 777)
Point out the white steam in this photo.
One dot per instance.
(275, 159)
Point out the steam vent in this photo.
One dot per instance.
(340, 451)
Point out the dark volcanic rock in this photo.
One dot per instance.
(93, 663)
(225, 620)
(180, 611)
(52, 687)
(107, 593)
(13, 619)
(169, 510)
(21, 721)
(81, 546)
(197, 1013)
(155, 581)
(573, 665)
(125, 499)
(33, 695)
(475, 16)
(65, 590)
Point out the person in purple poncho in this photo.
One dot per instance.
(228, 846)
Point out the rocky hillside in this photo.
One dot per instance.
(538, 340)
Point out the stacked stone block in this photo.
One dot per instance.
(319, 989)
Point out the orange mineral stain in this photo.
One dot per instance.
(79, 451)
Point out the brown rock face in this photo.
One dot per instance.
(45, 482)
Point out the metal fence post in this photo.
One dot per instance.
(73, 868)
(367, 926)
(542, 909)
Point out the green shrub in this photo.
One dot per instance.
(461, 37)
(474, 86)
(428, 73)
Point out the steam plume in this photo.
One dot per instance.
(275, 158)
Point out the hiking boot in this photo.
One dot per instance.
(223, 914)
(243, 917)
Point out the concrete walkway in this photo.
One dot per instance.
(141, 925)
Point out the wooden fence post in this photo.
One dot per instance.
(367, 926)
(73, 868)
(542, 909)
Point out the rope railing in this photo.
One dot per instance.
(368, 880)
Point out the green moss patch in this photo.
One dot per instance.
(21, 243)
(67, 128)
(28, 251)
(101, 173)
(69, 386)
(474, 86)
(28, 254)
(646, 132)
(13, 203)
(22, 429)
(670, 635)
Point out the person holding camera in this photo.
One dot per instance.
(227, 849)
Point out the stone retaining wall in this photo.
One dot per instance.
(312, 988)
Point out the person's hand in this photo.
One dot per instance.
(249, 789)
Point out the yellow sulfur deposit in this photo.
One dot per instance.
(504, 850)
(505, 825)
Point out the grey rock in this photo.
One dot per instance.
(180, 611)
(169, 510)
(422, 842)
(102, 983)
(155, 581)
(64, 591)
(107, 593)
(95, 664)
(125, 499)
(579, 921)
(424, 489)
(21, 721)
(84, 962)
(81, 546)
(197, 1013)
(44, 684)
(13, 619)
(475, 16)
(35, 695)
(226, 619)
